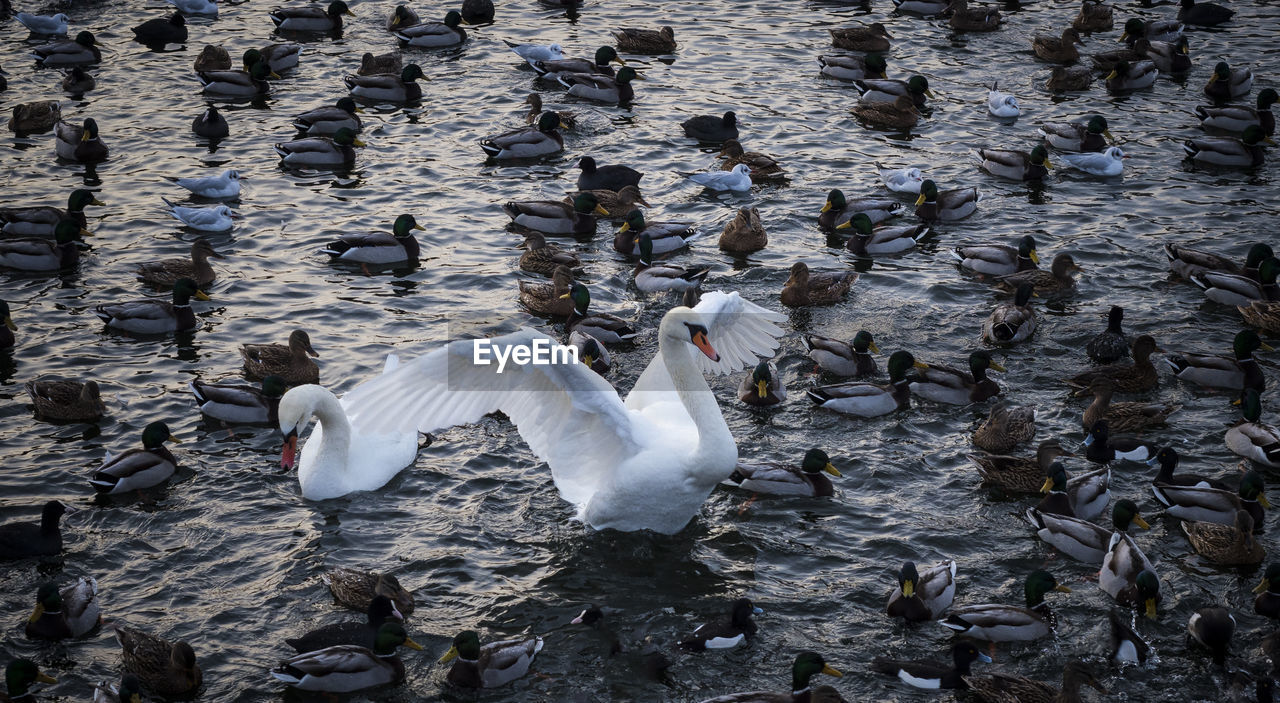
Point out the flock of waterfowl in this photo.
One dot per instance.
(650, 460)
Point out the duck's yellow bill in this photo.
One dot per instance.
(908, 588)
(201, 295)
(412, 645)
(1262, 586)
(829, 671)
(1137, 520)
(175, 440)
(762, 389)
(829, 468)
(626, 227)
(997, 367)
(1262, 499)
(826, 207)
(601, 211)
(1151, 608)
(1061, 589)
(920, 200)
(920, 365)
(872, 346)
(1035, 258)
(1048, 484)
(449, 655)
(35, 614)
(45, 678)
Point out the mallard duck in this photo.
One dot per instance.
(899, 114)
(355, 589)
(392, 88)
(851, 358)
(920, 597)
(44, 25)
(137, 469)
(310, 18)
(344, 668)
(975, 19)
(238, 84)
(1008, 688)
(372, 64)
(1056, 501)
(933, 675)
(609, 177)
(744, 233)
(213, 57)
(1127, 647)
(1238, 118)
(1006, 427)
(224, 186)
(402, 16)
(1102, 447)
(1155, 30)
(66, 401)
(1221, 371)
(553, 217)
(1127, 77)
(1058, 49)
(534, 101)
(1169, 57)
(210, 124)
(1251, 438)
(645, 41)
(889, 90)
(278, 57)
(1212, 628)
(1008, 623)
(165, 668)
(81, 51)
(1227, 83)
(543, 258)
(1065, 78)
(1267, 602)
(378, 247)
(434, 35)
(947, 205)
(762, 387)
(666, 236)
(353, 633)
(869, 399)
(536, 52)
(1077, 136)
(737, 180)
(71, 612)
(1123, 417)
(1094, 16)
(591, 352)
(1011, 322)
(289, 361)
(40, 221)
(726, 633)
(806, 666)
(924, 8)
(530, 142)
(872, 37)
(1215, 505)
(943, 384)
(1262, 314)
(477, 11)
(606, 328)
(1019, 474)
(239, 404)
(1080, 539)
(884, 240)
(495, 664)
(152, 315)
(998, 259)
(1232, 545)
(775, 478)
(79, 143)
(128, 691)
(1056, 280)
(1137, 377)
(1238, 289)
(325, 121)
(19, 540)
(19, 674)
(852, 68)
(1168, 459)
(336, 151)
(7, 327)
(36, 116)
(39, 254)
(552, 69)
(1089, 493)
(1204, 14)
(823, 288)
(166, 272)
(837, 210)
(162, 30)
(552, 298)
(1016, 165)
(1128, 576)
(1245, 152)
(1186, 261)
(710, 128)
(600, 88)
(650, 277)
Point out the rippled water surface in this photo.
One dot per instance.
(228, 556)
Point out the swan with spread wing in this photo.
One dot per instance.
(644, 463)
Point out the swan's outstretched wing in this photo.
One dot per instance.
(740, 331)
(570, 416)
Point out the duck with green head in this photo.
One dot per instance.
(81, 51)
(1185, 261)
(434, 35)
(154, 315)
(19, 675)
(955, 204)
(1128, 76)
(933, 675)
(38, 254)
(1251, 438)
(1245, 152)
(1016, 165)
(870, 399)
(80, 143)
(1009, 623)
(762, 387)
(40, 221)
(884, 240)
(552, 69)
(613, 90)
(651, 277)
(1236, 372)
(325, 121)
(943, 384)
(838, 209)
(1239, 290)
(1088, 135)
(1267, 602)
(1238, 118)
(1011, 322)
(136, 469)
(310, 18)
(239, 404)
(557, 217)
(129, 690)
(920, 597)
(530, 142)
(998, 259)
(491, 665)
(1080, 539)
(394, 88)
(248, 83)
(606, 328)
(852, 358)
(779, 478)
(853, 68)
(888, 90)
(71, 612)
(319, 152)
(806, 666)
(345, 668)
(1214, 505)
(380, 248)
(665, 236)
(1227, 84)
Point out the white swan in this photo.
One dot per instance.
(336, 460)
(648, 463)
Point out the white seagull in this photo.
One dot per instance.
(1002, 104)
(738, 180)
(1107, 163)
(205, 219)
(221, 187)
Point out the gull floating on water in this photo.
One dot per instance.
(1002, 104)
(901, 180)
(737, 180)
(52, 25)
(205, 219)
(1107, 163)
(225, 186)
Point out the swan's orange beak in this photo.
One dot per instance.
(289, 451)
(700, 341)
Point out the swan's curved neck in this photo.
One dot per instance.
(336, 438)
(696, 396)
